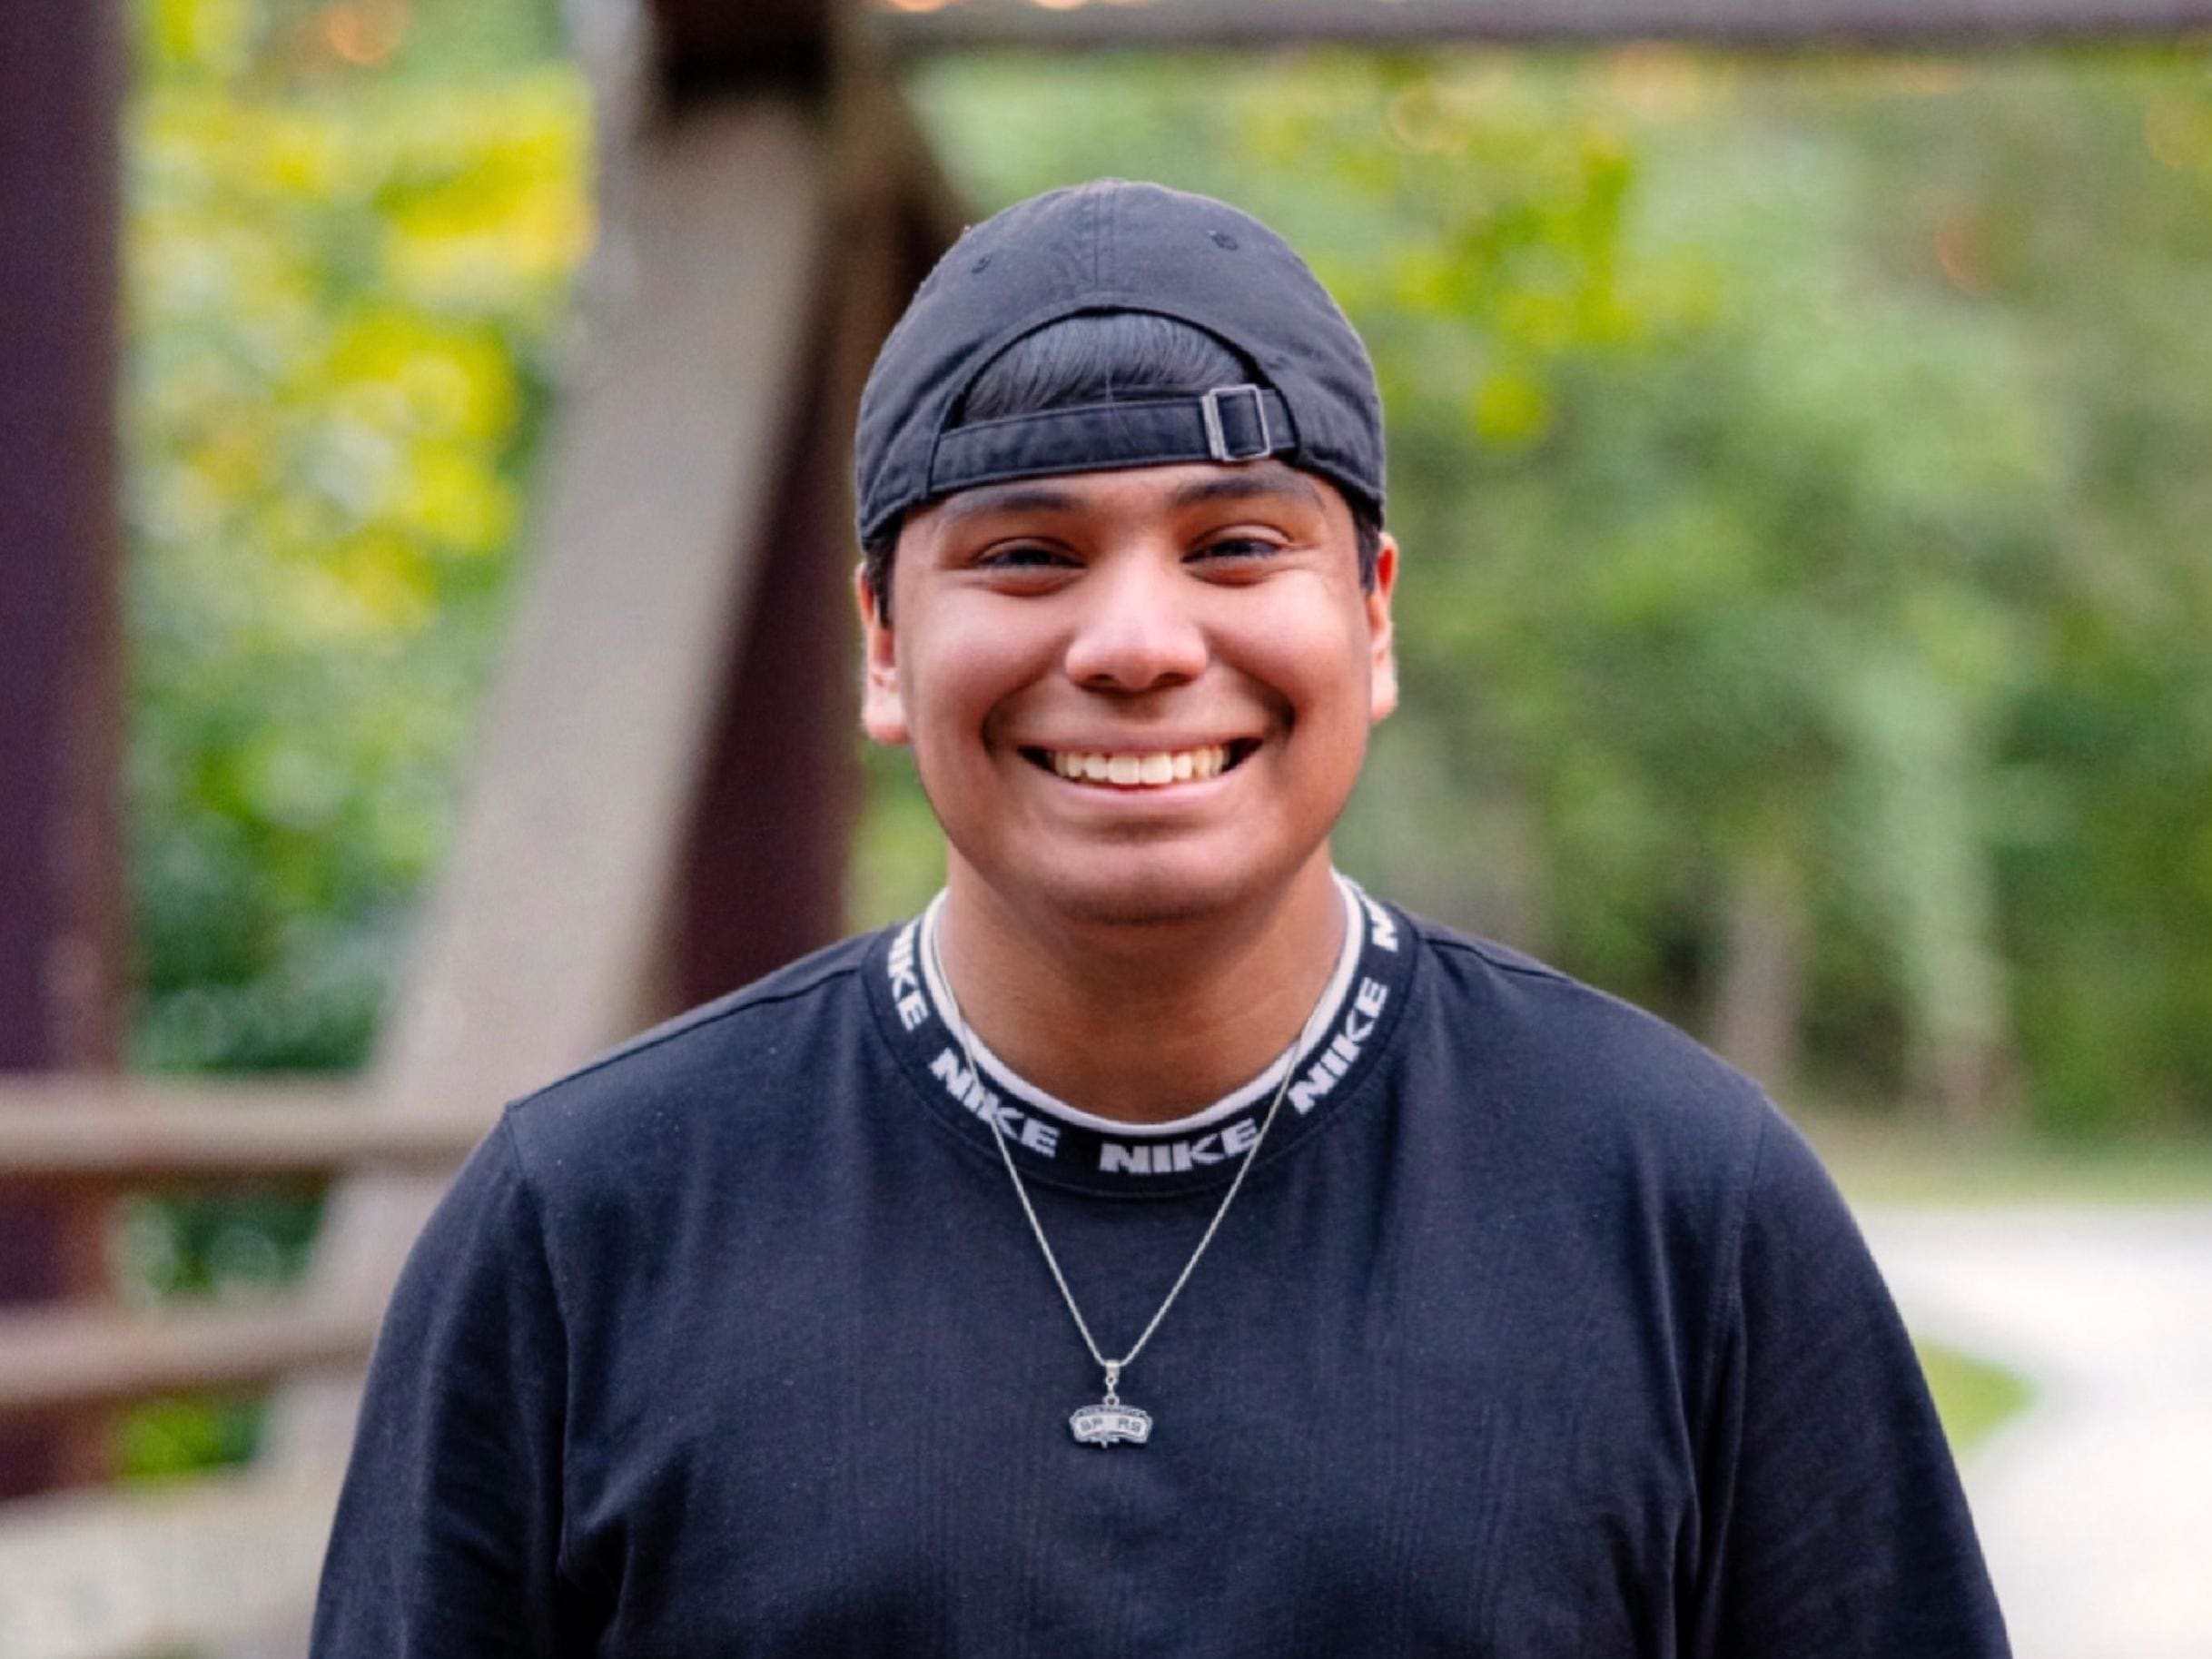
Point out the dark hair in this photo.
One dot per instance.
(1095, 358)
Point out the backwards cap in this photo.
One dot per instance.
(1116, 246)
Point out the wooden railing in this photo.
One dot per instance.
(100, 1134)
(96, 1137)
(106, 1574)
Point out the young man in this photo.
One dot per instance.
(1160, 1244)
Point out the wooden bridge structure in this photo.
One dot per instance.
(664, 781)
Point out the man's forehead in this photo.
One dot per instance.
(1170, 488)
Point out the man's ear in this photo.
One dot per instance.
(1382, 641)
(883, 712)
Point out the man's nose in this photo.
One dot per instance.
(1136, 629)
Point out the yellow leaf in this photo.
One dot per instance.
(1511, 409)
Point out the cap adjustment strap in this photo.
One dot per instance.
(1217, 441)
(1228, 424)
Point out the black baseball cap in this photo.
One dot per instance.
(1112, 245)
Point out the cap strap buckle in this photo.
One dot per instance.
(1217, 440)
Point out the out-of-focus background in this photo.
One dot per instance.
(423, 550)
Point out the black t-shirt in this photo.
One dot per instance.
(1535, 1331)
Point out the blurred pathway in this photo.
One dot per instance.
(2094, 1505)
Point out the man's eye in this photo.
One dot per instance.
(1238, 548)
(1021, 556)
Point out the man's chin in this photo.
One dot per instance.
(1141, 909)
(1149, 894)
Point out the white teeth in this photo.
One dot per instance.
(1149, 770)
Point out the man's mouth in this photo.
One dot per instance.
(1141, 769)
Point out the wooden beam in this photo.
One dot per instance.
(888, 177)
(765, 870)
(102, 1133)
(546, 939)
(918, 27)
(63, 1360)
(762, 880)
(659, 472)
(61, 92)
(711, 47)
(60, 714)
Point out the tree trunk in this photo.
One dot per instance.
(1759, 1001)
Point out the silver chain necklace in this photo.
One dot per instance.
(1113, 1419)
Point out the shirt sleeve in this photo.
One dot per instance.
(448, 1535)
(1832, 1512)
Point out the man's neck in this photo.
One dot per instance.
(1142, 1023)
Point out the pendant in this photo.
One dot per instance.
(1110, 1420)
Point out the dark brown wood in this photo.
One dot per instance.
(59, 713)
(898, 211)
(918, 25)
(704, 47)
(98, 1134)
(61, 66)
(762, 880)
(765, 869)
(59, 1361)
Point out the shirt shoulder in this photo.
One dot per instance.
(1591, 1119)
(1586, 1055)
(736, 1054)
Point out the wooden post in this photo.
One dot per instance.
(763, 877)
(762, 880)
(61, 72)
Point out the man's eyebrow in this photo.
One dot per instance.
(1272, 479)
(1008, 498)
(1249, 483)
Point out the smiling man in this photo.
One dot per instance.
(1160, 1244)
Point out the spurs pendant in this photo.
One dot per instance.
(1112, 1421)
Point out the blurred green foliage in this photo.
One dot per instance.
(165, 1440)
(1973, 1397)
(343, 283)
(1801, 466)
(350, 230)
